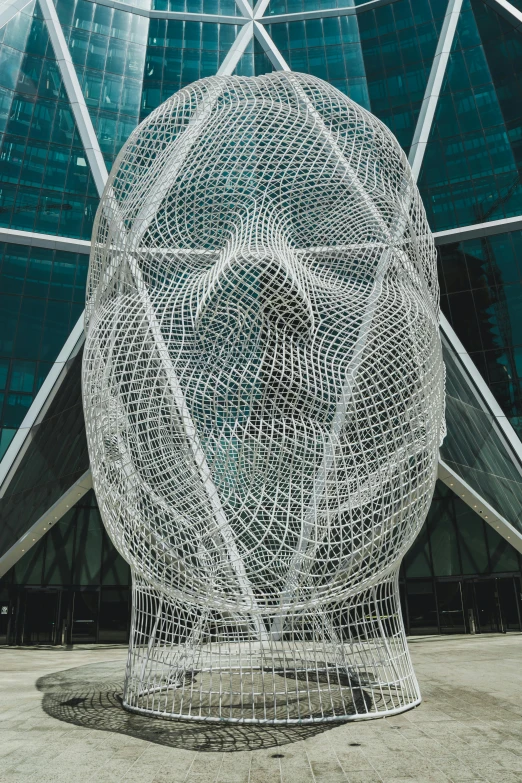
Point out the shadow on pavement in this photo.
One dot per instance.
(91, 695)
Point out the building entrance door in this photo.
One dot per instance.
(40, 617)
(509, 601)
(85, 616)
(451, 609)
(488, 610)
(492, 605)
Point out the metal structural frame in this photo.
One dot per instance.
(253, 22)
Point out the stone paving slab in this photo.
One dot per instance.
(61, 721)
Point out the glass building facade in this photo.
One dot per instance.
(76, 77)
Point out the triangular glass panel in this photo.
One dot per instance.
(46, 185)
(42, 295)
(398, 43)
(127, 65)
(55, 458)
(381, 58)
(471, 167)
(481, 297)
(108, 48)
(329, 48)
(475, 447)
(178, 53)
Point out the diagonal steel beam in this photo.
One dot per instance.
(322, 13)
(10, 10)
(245, 8)
(244, 37)
(269, 47)
(75, 95)
(477, 230)
(42, 526)
(480, 506)
(507, 11)
(434, 86)
(260, 8)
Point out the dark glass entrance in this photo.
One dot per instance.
(40, 611)
(422, 607)
(487, 609)
(85, 616)
(509, 595)
(478, 605)
(450, 606)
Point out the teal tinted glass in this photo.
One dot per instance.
(328, 48)
(481, 295)
(179, 52)
(398, 44)
(41, 298)
(474, 449)
(381, 58)
(296, 6)
(254, 61)
(56, 457)
(45, 182)
(471, 170)
(108, 48)
(224, 7)
(75, 551)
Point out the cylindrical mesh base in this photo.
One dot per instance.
(342, 661)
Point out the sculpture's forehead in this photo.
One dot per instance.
(276, 148)
(230, 153)
(266, 121)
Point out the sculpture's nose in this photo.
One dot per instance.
(263, 278)
(283, 294)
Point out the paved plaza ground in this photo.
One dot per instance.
(61, 720)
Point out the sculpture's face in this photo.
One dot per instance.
(263, 375)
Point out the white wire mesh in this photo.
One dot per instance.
(263, 391)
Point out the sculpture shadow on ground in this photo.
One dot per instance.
(91, 696)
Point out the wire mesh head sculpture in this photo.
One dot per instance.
(263, 391)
